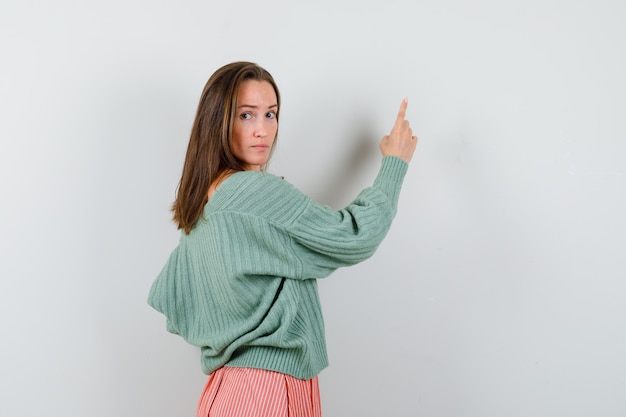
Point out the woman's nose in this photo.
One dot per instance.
(260, 130)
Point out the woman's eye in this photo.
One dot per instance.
(246, 116)
(271, 115)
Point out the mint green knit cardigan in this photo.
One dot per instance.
(242, 285)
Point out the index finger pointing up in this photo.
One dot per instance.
(402, 111)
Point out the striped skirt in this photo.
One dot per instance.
(252, 392)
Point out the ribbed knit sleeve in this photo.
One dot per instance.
(326, 239)
(390, 178)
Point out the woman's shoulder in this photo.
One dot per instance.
(250, 181)
(256, 192)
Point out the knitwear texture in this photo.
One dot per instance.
(242, 285)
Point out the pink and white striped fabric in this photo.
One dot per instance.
(248, 392)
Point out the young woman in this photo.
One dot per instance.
(241, 284)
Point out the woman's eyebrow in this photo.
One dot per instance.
(252, 106)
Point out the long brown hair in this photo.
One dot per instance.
(209, 154)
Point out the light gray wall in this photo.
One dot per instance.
(500, 288)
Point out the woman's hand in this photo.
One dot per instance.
(400, 141)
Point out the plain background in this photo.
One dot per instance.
(499, 290)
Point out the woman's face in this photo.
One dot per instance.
(255, 125)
